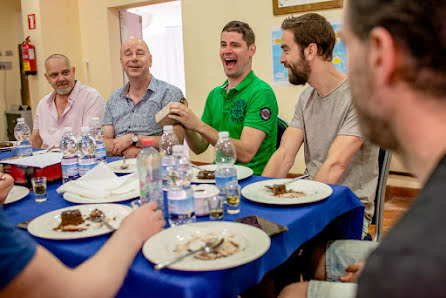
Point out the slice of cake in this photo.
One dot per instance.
(70, 220)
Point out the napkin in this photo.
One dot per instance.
(101, 183)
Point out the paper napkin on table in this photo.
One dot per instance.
(101, 183)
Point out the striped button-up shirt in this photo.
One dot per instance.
(127, 117)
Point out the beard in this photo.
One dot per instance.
(64, 88)
(375, 125)
(300, 72)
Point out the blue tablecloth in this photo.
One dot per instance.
(342, 210)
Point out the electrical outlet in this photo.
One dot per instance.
(6, 65)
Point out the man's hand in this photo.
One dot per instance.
(144, 222)
(6, 183)
(184, 115)
(121, 143)
(131, 152)
(353, 271)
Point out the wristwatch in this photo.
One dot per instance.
(135, 139)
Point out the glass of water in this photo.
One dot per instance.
(39, 188)
(232, 190)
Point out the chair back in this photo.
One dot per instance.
(282, 125)
(384, 164)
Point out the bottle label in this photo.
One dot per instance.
(69, 170)
(86, 165)
(23, 150)
(221, 182)
(100, 153)
(180, 207)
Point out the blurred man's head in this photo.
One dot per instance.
(60, 73)
(300, 33)
(136, 59)
(237, 47)
(393, 43)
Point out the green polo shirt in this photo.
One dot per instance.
(251, 103)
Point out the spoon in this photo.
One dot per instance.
(123, 165)
(98, 216)
(208, 247)
(285, 183)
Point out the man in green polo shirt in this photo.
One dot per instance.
(244, 105)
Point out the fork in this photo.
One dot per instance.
(288, 182)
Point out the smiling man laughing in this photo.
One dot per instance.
(243, 105)
(130, 112)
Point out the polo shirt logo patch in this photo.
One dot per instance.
(238, 111)
(265, 113)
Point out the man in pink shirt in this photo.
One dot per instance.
(70, 104)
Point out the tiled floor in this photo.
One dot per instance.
(400, 193)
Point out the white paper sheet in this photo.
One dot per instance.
(37, 161)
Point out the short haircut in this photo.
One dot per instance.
(58, 56)
(419, 30)
(312, 28)
(242, 28)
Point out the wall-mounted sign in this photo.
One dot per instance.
(31, 21)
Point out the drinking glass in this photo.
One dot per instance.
(232, 190)
(39, 188)
(215, 204)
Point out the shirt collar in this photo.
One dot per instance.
(153, 86)
(243, 84)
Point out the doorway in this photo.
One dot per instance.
(160, 25)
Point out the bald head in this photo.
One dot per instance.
(134, 42)
(57, 56)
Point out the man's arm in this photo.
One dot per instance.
(199, 134)
(95, 107)
(339, 155)
(282, 160)
(109, 136)
(36, 140)
(100, 276)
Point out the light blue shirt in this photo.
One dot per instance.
(127, 117)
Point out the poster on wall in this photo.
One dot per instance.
(280, 73)
(292, 6)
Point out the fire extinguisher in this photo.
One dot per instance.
(28, 57)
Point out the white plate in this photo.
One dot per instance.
(315, 191)
(242, 173)
(55, 150)
(160, 247)
(43, 226)
(75, 198)
(115, 166)
(17, 193)
(7, 148)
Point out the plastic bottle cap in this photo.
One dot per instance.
(147, 142)
(67, 129)
(177, 149)
(85, 129)
(20, 119)
(223, 134)
(167, 128)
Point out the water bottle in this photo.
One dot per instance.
(68, 146)
(22, 133)
(180, 196)
(148, 163)
(225, 157)
(96, 131)
(87, 149)
(167, 141)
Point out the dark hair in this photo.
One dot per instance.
(242, 28)
(419, 30)
(312, 28)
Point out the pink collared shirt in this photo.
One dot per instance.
(83, 103)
